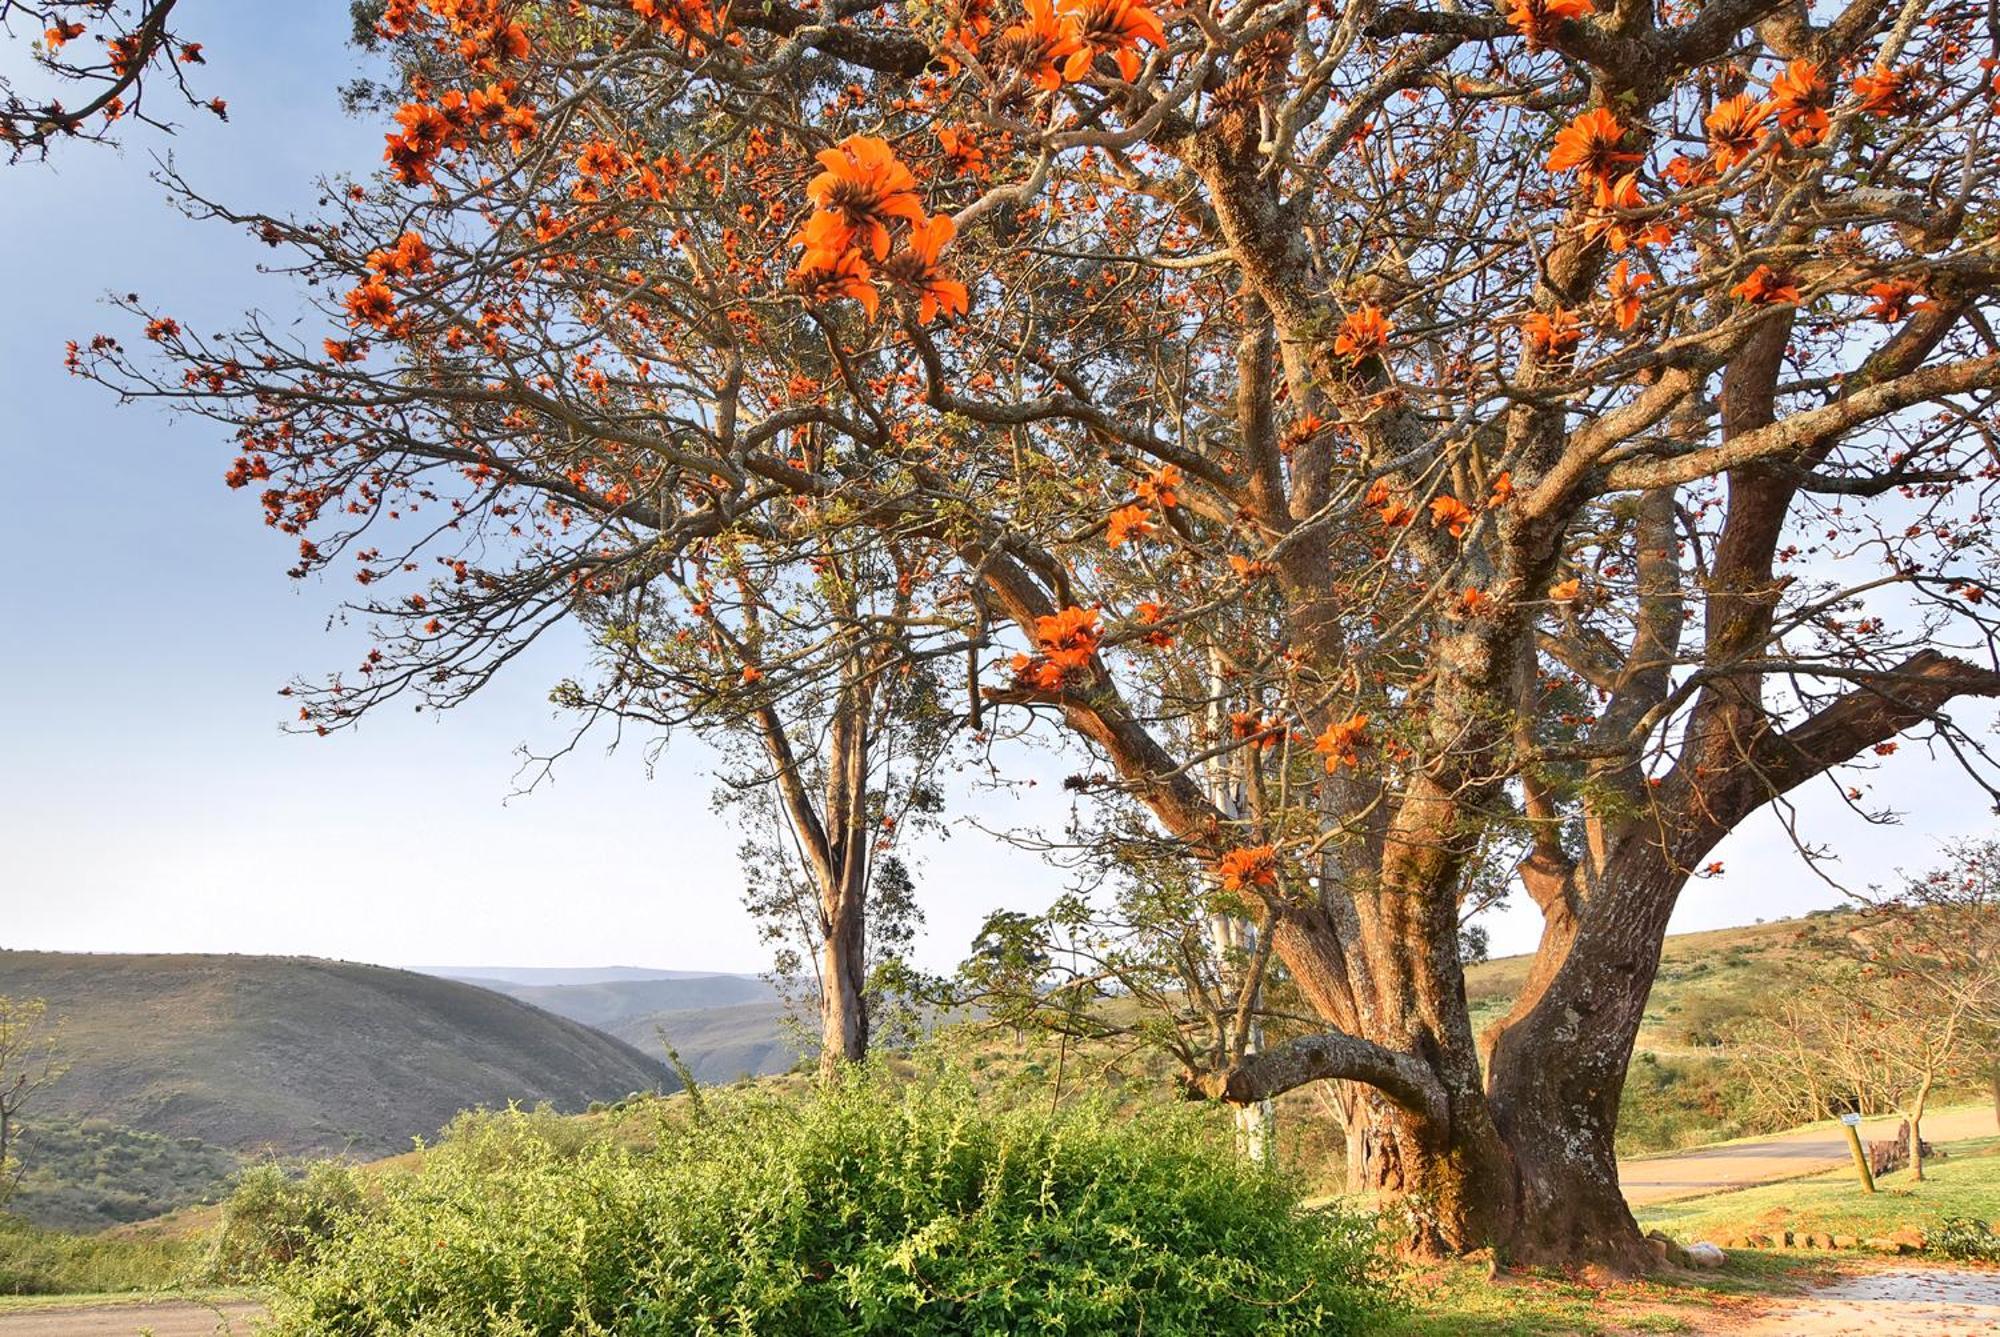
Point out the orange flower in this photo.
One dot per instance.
(1503, 489)
(410, 255)
(1589, 144)
(1449, 512)
(1126, 524)
(1248, 568)
(751, 673)
(1069, 638)
(1735, 129)
(1151, 613)
(1161, 487)
(62, 32)
(1250, 867)
(864, 187)
(1363, 334)
(687, 22)
(372, 304)
(1565, 590)
(1109, 28)
(1893, 299)
(962, 152)
(1536, 20)
(1473, 602)
(1552, 332)
(1341, 742)
(602, 159)
(1610, 201)
(1767, 287)
(1037, 672)
(1625, 298)
(937, 290)
(1802, 97)
(162, 328)
(1039, 45)
(1260, 731)
(846, 275)
(1884, 92)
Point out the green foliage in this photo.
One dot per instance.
(871, 1207)
(1966, 1239)
(1674, 1102)
(273, 1218)
(34, 1261)
(84, 1174)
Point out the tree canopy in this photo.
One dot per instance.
(1535, 437)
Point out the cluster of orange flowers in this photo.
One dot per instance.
(1363, 334)
(1341, 741)
(1248, 868)
(452, 122)
(1058, 41)
(692, 24)
(1261, 731)
(1066, 640)
(1536, 20)
(862, 191)
(1134, 520)
(485, 34)
(373, 303)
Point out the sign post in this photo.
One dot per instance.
(1851, 1125)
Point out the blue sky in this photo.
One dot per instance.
(150, 800)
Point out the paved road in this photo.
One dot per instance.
(1689, 1174)
(178, 1319)
(1905, 1302)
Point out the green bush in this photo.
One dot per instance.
(272, 1219)
(34, 1261)
(871, 1208)
(1965, 1239)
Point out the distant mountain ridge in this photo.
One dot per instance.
(722, 1026)
(559, 975)
(299, 1055)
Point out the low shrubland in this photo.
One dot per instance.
(37, 1261)
(876, 1206)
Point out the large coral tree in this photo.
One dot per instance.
(1560, 429)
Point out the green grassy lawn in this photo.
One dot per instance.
(1965, 1182)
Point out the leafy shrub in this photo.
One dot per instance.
(272, 1219)
(1965, 1239)
(870, 1208)
(34, 1261)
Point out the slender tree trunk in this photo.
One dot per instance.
(843, 972)
(1917, 1132)
(1995, 1075)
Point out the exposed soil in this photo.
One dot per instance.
(178, 1319)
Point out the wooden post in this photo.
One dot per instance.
(1851, 1125)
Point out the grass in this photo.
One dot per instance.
(47, 1262)
(1964, 1182)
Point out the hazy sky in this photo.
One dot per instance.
(149, 800)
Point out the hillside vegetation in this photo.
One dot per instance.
(294, 1055)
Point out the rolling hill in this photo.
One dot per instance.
(297, 1055)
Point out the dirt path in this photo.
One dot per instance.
(1934, 1302)
(177, 1319)
(1689, 1174)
